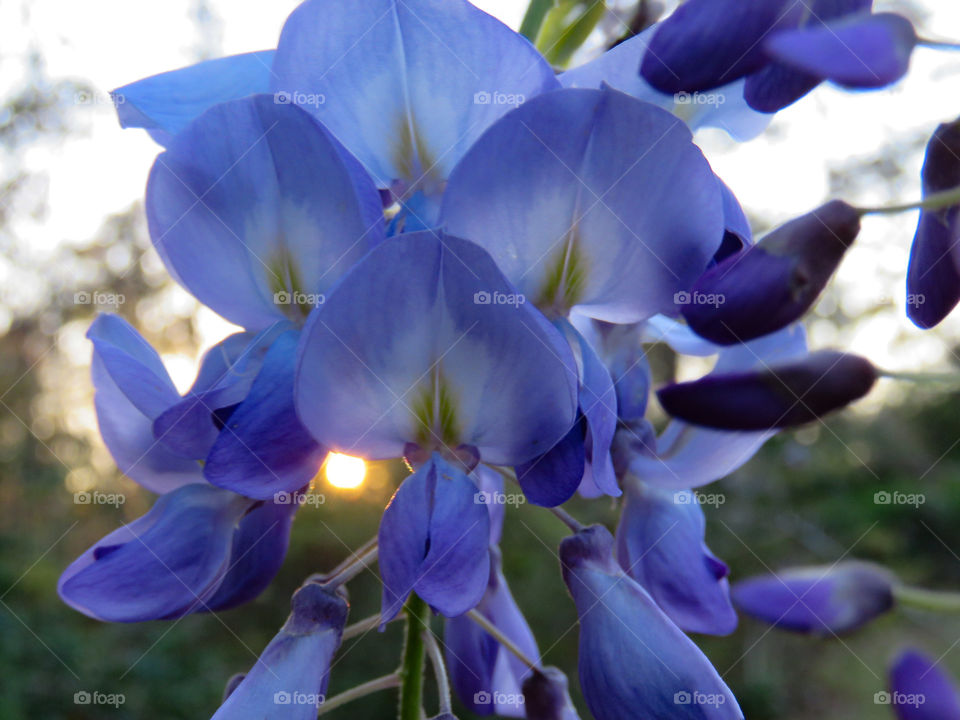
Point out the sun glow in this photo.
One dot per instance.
(345, 471)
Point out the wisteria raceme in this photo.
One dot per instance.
(442, 250)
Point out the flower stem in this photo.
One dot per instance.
(439, 671)
(502, 639)
(923, 599)
(934, 201)
(361, 627)
(349, 568)
(923, 378)
(381, 683)
(570, 521)
(411, 671)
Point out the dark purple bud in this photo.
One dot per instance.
(920, 689)
(933, 276)
(232, 684)
(779, 396)
(546, 697)
(829, 600)
(772, 284)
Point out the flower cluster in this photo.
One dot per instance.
(440, 249)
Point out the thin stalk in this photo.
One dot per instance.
(361, 627)
(439, 672)
(570, 521)
(368, 688)
(923, 599)
(923, 378)
(934, 201)
(938, 44)
(502, 639)
(411, 670)
(348, 569)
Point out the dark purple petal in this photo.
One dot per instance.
(772, 284)
(634, 662)
(818, 600)
(857, 51)
(433, 540)
(933, 276)
(708, 43)
(660, 544)
(263, 449)
(776, 86)
(776, 396)
(289, 680)
(168, 563)
(552, 478)
(546, 696)
(920, 689)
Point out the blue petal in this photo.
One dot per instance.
(689, 456)
(263, 449)
(132, 388)
(164, 104)
(634, 662)
(725, 109)
(477, 663)
(933, 277)
(190, 427)
(777, 86)
(857, 51)
(660, 544)
(737, 233)
(459, 70)
(490, 483)
(818, 600)
(708, 43)
(590, 198)
(290, 678)
(419, 344)
(257, 211)
(773, 283)
(166, 564)
(777, 396)
(259, 548)
(552, 478)
(433, 541)
(921, 690)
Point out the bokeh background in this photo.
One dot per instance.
(73, 242)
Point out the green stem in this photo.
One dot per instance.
(947, 379)
(532, 20)
(502, 639)
(381, 683)
(934, 201)
(411, 672)
(934, 600)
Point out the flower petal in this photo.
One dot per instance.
(290, 678)
(433, 541)
(257, 211)
(552, 478)
(460, 69)
(132, 387)
(263, 449)
(660, 544)
(416, 346)
(634, 662)
(164, 565)
(818, 600)
(589, 198)
(921, 690)
(164, 104)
